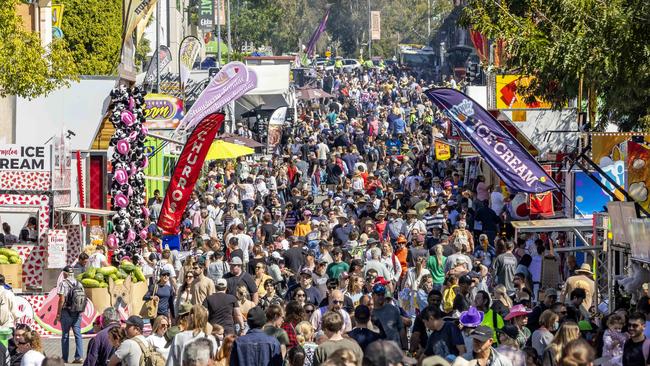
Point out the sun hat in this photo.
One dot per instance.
(585, 268)
(471, 318)
(447, 184)
(517, 310)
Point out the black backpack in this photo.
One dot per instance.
(76, 300)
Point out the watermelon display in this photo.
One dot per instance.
(99, 277)
(127, 267)
(137, 273)
(90, 283)
(4, 259)
(107, 271)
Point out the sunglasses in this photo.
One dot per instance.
(337, 302)
(164, 325)
(309, 311)
(300, 295)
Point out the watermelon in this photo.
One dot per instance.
(103, 285)
(114, 276)
(14, 259)
(119, 282)
(99, 277)
(79, 277)
(4, 259)
(90, 283)
(127, 267)
(107, 271)
(137, 273)
(121, 274)
(90, 273)
(8, 252)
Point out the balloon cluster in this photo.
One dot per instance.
(129, 161)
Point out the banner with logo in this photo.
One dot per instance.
(375, 25)
(233, 81)
(187, 54)
(165, 56)
(24, 157)
(206, 15)
(278, 116)
(162, 111)
(509, 159)
(443, 151)
(187, 171)
(133, 12)
(638, 172)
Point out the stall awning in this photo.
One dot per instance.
(538, 226)
(86, 211)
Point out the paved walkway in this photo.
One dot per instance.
(52, 347)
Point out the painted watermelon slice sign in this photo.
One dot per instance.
(46, 315)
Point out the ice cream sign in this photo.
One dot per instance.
(162, 111)
(24, 157)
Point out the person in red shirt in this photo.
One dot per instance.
(380, 226)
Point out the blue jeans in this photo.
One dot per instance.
(71, 320)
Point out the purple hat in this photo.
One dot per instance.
(471, 318)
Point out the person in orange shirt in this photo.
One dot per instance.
(401, 252)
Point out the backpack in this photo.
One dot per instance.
(76, 298)
(448, 299)
(150, 357)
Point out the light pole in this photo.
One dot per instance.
(428, 21)
(218, 33)
(157, 47)
(228, 27)
(369, 32)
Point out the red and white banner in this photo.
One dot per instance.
(187, 172)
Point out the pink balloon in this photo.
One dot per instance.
(121, 176)
(131, 103)
(123, 146)
(134, 169)
(130, 237)
(145, 212)
(121, 200)
(127, 117)
(143, 234)
(111, 241)
(145, 163)
(130, 192)
(145, 131)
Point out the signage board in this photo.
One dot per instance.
(162, 111)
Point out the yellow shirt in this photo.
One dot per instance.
(302, 229)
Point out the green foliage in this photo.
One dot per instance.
(142, 49)
(93, 32)
(26, 68)
(557, 41)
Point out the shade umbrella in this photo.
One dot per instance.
(311, 93)
(240, 140)
(221, 150)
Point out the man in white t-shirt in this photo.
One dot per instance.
(98, 259)
(130, 351)
(245, 243)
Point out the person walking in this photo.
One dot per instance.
(100, 348)
(256, 347)
(223, 309)
(333, 329)
(72, 302)
(129, 352)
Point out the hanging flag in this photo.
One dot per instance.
(311, 46)
(187, 171)
(165, 56)
(133, 13)
(542, 204)
(233, 81)
(507, 157)
(443, 151)
(187, 54)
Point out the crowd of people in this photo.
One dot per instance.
(354, 245)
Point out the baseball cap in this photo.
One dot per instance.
(221, 284)
(510, 330)
(135, 321)
(305, 271)
(385, 353)
(482, 333)
(236, 261)
(68, 269)
(435, 361)
(184, 308)
(165, 272)
(379, 289)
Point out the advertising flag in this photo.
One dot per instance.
(133, 12)
(311, 46)
(509, 159)
(375, 25)
(206, 15)
(165, 56)
(233, 81)
(187, 171)
(187, 54)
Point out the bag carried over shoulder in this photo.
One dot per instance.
(150, 307)
(76, 299)
(150, 357)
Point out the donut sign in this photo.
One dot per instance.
(162, 111)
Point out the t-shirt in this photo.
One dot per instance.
(389, 318)
(130, 352)
(278, 333)
(334, 270)
(364, 336)
(505, 266)
(294, 259)
(268, 230)
(32, 358)
(633, 353)
(95, 260)
(220, 310)
(326, 348)
(234, 281)
(444, 341)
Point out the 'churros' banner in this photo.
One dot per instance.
(187, 171)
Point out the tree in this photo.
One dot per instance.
(28, 69)
(559, 42)
(93, 32)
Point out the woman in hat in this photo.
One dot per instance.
(468, 321)
(518, 315)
